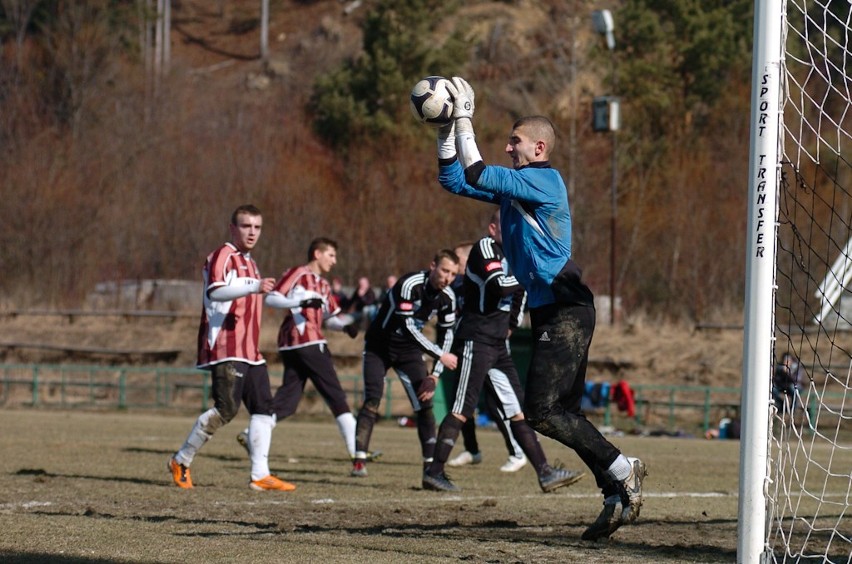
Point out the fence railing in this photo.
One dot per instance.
(670, 408)
(96, 386)
(668, 405)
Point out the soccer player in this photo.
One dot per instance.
(395, 340)
(228, 339)
(481, 344)
(301, 343)
(471, 453)
(535, 219)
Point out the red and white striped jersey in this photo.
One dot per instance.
(229, 330)
(303, 326)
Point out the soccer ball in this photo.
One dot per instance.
(431, 101)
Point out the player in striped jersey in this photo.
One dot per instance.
(481, 345)
(307, 296)
(228, 339)
(395, 340)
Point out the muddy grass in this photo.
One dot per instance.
(78, 486)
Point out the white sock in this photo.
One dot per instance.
(346, 423)
(197, 437)
(260, 437)
(620, 469)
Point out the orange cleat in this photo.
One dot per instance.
(271, 483)
(180, 474)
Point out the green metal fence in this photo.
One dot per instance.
(661, 407)
(97, 386)
(671, 407)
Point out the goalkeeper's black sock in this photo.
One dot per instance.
(529, 444)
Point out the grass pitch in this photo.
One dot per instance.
(93, 487)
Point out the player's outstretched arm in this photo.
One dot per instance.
(343, 322)
(297, 297)
(235, 288)
(463, 109)
(459, 161)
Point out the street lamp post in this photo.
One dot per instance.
(607, 118)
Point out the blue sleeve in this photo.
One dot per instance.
(528, 184)
(451, 177)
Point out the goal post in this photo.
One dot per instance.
(795, 491)
(758, 338)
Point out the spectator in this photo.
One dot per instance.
(729, 428)
(362, 305)
(338, 293)
(389, 282)
(787, 380)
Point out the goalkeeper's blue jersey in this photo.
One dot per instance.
(535, 219)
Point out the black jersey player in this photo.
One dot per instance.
(471, 454)
(481, 345)
(395, 340)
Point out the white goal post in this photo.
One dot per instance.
(795, 488)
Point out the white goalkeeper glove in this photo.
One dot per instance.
(463, 108)
(463, 96)
(447, 141)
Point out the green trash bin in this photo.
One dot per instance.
(520, 344)
(521, 348)
(444, 390)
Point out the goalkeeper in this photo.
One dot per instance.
(536, 227)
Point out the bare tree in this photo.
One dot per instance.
(79, 45)
(19, 12)
(264, 31)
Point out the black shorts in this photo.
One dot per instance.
(479, 362)
(312, 362)
(408, 365)
(560, 354)
(235, 382)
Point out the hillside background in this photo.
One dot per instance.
(112, 171)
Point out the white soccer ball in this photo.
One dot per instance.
(431, 101)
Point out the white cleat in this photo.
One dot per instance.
(514, 464)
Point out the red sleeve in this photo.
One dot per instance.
(219, 265)
(288, 280)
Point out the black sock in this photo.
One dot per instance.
(447, 435)
(426, 432)
(468, 432)
(528, 440)
(364, 429)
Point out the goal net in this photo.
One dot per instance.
(807, 482)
